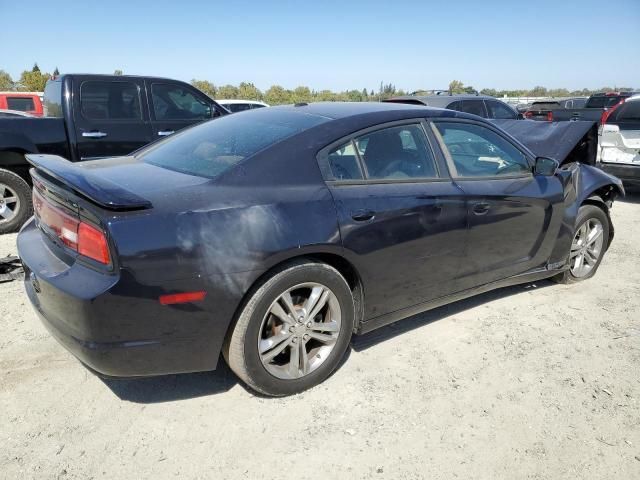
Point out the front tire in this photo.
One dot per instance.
(293, 330)
(590, 242)
(15, 201)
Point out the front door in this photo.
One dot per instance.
(110, 117)
(511, 212)
(402, 219)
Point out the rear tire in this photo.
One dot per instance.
(589, 243)
(15, 201)
(303, 342)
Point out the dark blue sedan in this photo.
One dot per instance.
(273, 236)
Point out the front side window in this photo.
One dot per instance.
(110, 101)
(477, 151)
(474, 107)
(396, 153)
(499, 110)
(175, 102)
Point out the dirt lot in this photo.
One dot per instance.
(538, 381)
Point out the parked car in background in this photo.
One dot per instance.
(241, 105)
(274, 235)
(93, 116)
(28, 102)
(13, 113)
(619, 146)
(480, 105)
(557, 110)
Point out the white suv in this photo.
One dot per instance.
(240, 105)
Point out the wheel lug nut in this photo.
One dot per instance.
(291, 329)
(309, 325)
(295, 340)
(305, 338)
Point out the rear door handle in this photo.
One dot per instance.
(481, 208)
(164, 133)
(363, 215)
(94, 134)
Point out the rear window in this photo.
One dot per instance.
(24, 104)
(627, 112)
(211, 148)
(53, 99)
(545, 105)
(603, 102)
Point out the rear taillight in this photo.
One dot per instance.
(528, 114)
(549, 116)
(608, 111)
(72, 232)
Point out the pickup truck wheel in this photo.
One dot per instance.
(590, 242)
(15, 201)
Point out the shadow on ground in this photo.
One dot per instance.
(170, 388)
(632, 196)
(362, 342)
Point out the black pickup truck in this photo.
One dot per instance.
(88, 117)
(559, 110)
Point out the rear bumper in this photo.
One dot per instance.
(116, 326)
(629, 174)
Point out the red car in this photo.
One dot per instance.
(22, 101)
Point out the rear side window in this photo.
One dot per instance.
(477, 151)
(396, 153)
(211, 148)
(53, 99)
(238, 107)
(24, 104)
(110, 101)
(627, 112)
(475, 107)
(343, 161)
(175, 102)
(499, 110)
(603, 101)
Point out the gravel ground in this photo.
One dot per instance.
(536, 381)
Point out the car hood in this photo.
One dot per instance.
(565, 142)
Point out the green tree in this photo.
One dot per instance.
(6, 82)
(324, 96)
(33, 81)
(205, 87)
(489, 91)
(56, 72)
(35, 68)
(117, 72)
(227, 92)
(538, 91)
(248, 91)
(301, 94)
(277, 95)
(456, 86)
(365, 95)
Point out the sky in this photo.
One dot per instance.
(336, 45)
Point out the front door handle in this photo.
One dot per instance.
(363, 215)
(164, 133)
(94, 134)
(481, 208)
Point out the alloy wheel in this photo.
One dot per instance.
(299, 331)
(586, 248)
(9, 203)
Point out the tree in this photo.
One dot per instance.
(205, 87)
(538, 91)
(456, 86)
(35, 68)
(248, 91)
(117, 72)
(365, 95)
(277, 95)
(227, 92)
(33, 81)
(301, 95)
(489, 91)
(6, 82)
(56, 72)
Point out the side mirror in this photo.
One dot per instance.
(546, 166)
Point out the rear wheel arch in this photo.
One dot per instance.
(14, 161)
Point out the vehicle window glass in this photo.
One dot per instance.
(211, 148)
(256, 105)
(24, 104)
(238, 107)
(175, 102)
(628, 112)
(603, 101)
(344, 163)
(477, 151)
(53, 99)
(110, 101)
(475, 107)
(455, 106)
(499, 110)
(397, 153)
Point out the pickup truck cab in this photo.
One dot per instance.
(28, 102)
(88, 117)
(593, 110)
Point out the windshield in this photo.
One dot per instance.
(603, 101)
(211, 148)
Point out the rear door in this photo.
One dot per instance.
(402, 220)
(175, 105)
(110, 117)
(510, 210)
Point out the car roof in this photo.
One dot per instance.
(338, 110)
(440, 100)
